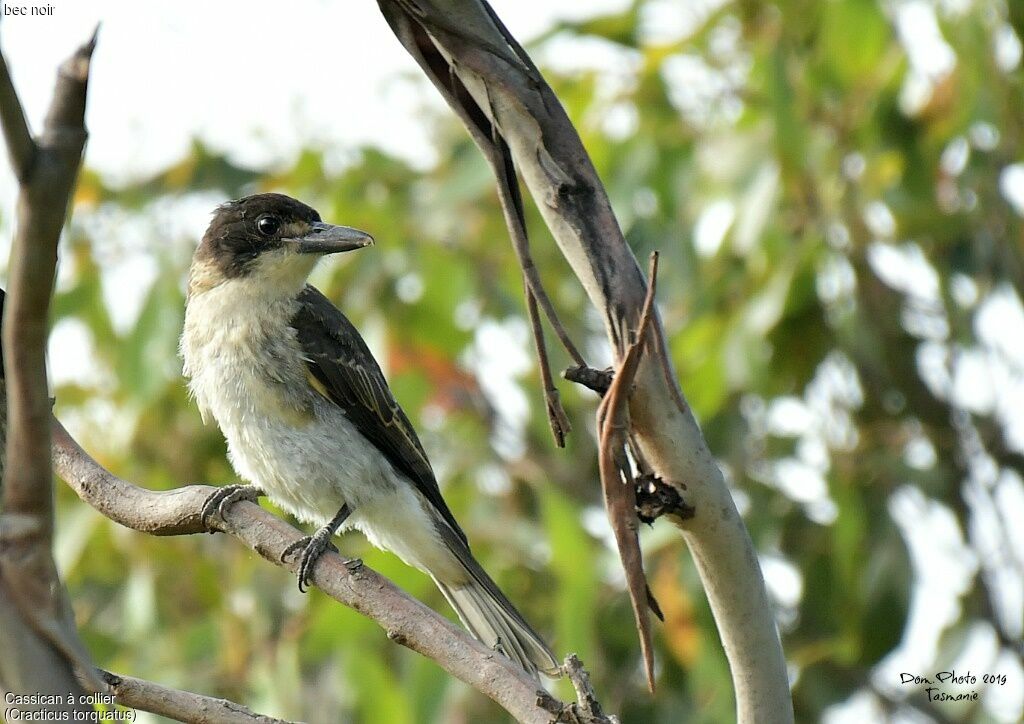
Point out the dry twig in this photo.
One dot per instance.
(617, 477)
(586, 709)
(557, 418)
(180, 705)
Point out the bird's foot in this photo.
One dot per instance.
(226, 496)
(311, 547)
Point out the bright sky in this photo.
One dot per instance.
(256, 82)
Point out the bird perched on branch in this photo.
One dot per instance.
(308, 415)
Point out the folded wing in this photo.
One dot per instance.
(341, 367)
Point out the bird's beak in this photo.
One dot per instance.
(330, 239)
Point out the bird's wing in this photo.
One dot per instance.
(343, 370)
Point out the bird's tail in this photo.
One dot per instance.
(491, 617)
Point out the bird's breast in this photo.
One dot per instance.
(244, 362)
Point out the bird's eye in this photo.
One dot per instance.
(268, 225)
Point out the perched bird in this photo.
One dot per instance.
(308, 416)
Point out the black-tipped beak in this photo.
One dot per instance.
(329, 239)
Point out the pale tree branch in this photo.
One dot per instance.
(405, 620)
(43, 652)
(180, 705)
(500, 89)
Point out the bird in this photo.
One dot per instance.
(308, 416)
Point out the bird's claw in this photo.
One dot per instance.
(226, 496)
(312, 548)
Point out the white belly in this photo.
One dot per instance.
(311, 471)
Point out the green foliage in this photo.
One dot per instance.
(802, 133)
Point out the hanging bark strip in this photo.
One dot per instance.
(489, 139)
(617, 477)
(557, 418)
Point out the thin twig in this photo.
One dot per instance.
(557, 419)
(515, 219)
(589, 706)
(586, 709)
(180, 705)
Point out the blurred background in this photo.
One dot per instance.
(837, 191)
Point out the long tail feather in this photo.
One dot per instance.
(490, 616)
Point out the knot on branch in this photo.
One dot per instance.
(111, 680)
(398, 637)
(655, 498)
(597, 380)
(586, 710)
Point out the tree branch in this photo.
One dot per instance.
(465, 40)
(42, 208)
(586, 709)
(180, 705)
(20, 145)
(406, 620)
(49, 652)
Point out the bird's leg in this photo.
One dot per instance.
(314, 546)
(226, 496)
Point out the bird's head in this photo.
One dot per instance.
(270, 239)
